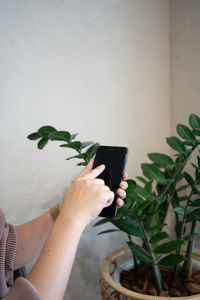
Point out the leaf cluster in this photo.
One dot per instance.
(85, 150)
(164, 183)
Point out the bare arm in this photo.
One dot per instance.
(52, 270)
(82, 203)
(32, 235)
(31, 238)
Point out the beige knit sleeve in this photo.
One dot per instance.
(8, 245)
(22, 288)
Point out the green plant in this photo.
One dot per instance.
(164, 183)
(48, 133)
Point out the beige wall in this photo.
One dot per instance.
(185, 60)
(185, 63)
(100, 68)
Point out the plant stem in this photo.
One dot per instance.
(187, 266)
(184, 216)
(176, 172)
(155, 269)
(135, 262)
(177, 269)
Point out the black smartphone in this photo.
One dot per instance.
(114, 159)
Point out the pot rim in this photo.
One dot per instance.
(105, 275)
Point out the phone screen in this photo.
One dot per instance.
(114, 159)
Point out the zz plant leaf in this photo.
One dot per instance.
(152, 172)
(176, 144)
(171, 260)
(161, 160)
(194, 121)
(168, 246)
(139, 252)
(185, 133)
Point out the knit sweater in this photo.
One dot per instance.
(21, 288)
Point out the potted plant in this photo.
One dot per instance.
(160, 267)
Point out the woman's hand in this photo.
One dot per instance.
(86, 197)
(83, 201)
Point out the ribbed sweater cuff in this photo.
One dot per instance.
(23, 289)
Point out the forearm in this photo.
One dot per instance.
(31, 238)
(54, 264)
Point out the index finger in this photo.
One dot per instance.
(87, 169)
(94, 173)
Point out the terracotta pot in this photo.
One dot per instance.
(110, 269)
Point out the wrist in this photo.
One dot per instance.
(73, 221)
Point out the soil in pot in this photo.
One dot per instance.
(141, 282)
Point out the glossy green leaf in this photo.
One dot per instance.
(194, 121)
(134, 200)
(152, 172)
(183, 198)
(60, 136)
(179, 210)
(178, 228)
(197, 174)
(160, 159)
(166, 181)
(141, 191)
(139, 252)
(188, 178)
(131, 184)
(193, 216)
(148, 186)
(108, 231)
(76, 156)
(194, 166)
(158, 237)
(176, 144)
(195, 203)
(192, 236)
(86, 144)
(157, 227)
(45, 131)
(171, 260)
(142, 179)
(73, 136)
(185, 132)
(143, 207)
(42, 143)
(131, 188)
(128, 223)
(196, 132)
(102, 222)
(182, 188)
(168, 246)
(33, 136)
(196, 190)
(73, 145)
(161, 199)
(82, 163)
(91, 151)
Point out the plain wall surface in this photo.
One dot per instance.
(100, 68)
(185, 65)
(185, 60)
